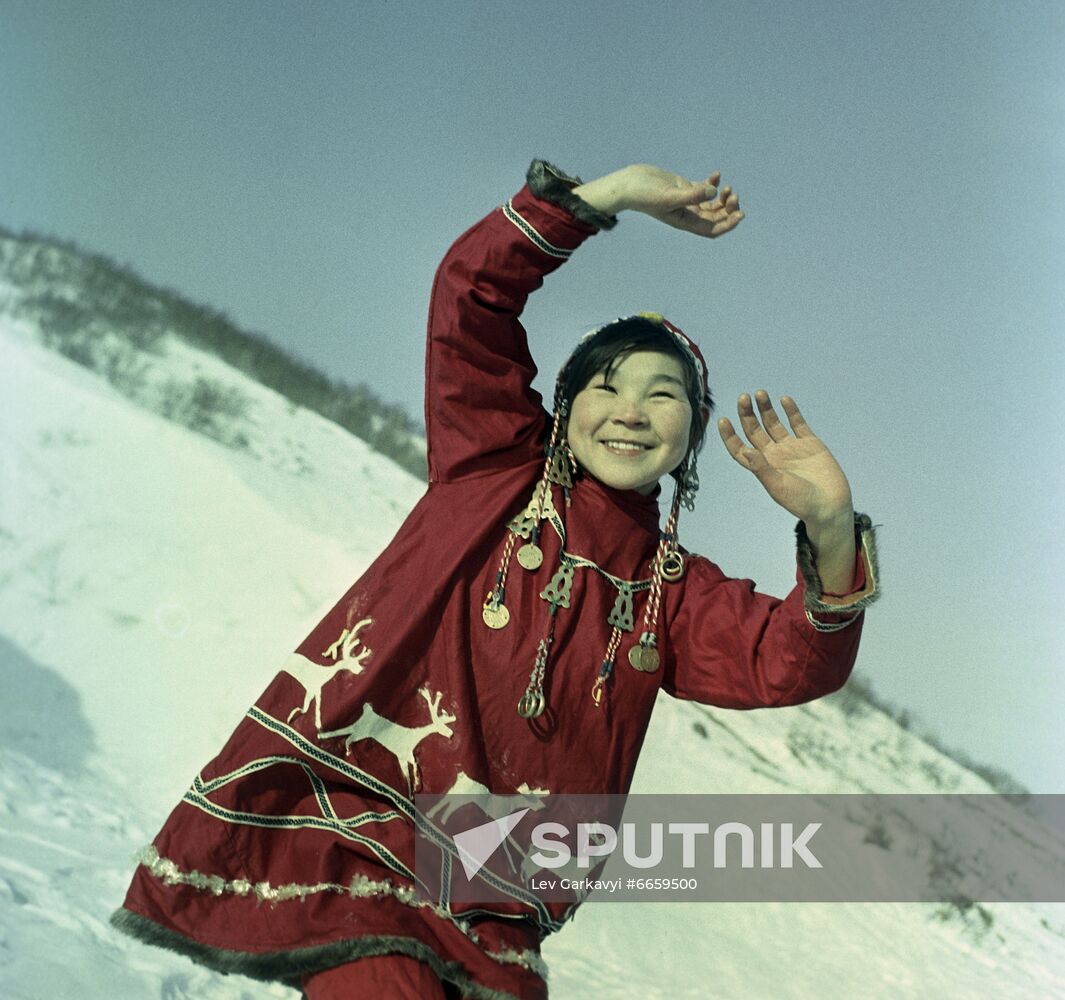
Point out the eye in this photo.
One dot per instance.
(665, 393)
(603, 385)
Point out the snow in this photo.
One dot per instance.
(152, 582)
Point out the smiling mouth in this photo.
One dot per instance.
(625, 447)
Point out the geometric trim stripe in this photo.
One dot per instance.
(341, 829)
(534, 236)
(196, 796)
(322, 796)
(324, 757)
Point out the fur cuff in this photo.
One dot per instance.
(546, 181)
(865, 538)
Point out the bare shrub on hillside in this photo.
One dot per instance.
(125, 370)
(207, 407)
(857, 698)
(115, 298)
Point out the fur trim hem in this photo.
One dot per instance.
(865, 536)
(291, 966)
(546, 181)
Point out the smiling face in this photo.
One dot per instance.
(633, 428)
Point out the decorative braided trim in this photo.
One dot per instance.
(345, 827)
(527, 228)
(293, 965)
(582, 563)
(546, 181)
(575, 560)
(341, 828)
(359, 887)
(821, 626)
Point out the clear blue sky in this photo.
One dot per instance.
(303, 167)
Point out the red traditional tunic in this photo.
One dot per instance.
(293, 850)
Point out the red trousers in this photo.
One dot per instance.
(380, 977)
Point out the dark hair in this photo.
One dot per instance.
(614, 342)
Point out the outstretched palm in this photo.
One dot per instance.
(796, 469)
(694, 206)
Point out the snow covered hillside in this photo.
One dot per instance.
(153, 579)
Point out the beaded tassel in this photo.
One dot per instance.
(607, 667)
(533, 703)
(494, 611)
(668, 564)
(530, 555)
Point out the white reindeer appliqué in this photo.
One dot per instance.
(397, 739)
(314, 675)
(493, 806)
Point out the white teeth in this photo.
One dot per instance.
(624, 445)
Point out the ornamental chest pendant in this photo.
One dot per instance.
(530, 556)
(495, 615)
(643, 656)
(558, 590)
(532, 705)
(673, 566)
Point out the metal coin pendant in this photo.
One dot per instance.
(636, 657)
(644, 658)
(495, 615)
(530, 557)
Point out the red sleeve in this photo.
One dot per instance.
(479, 403)
(736, 648)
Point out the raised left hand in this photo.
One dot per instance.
(796, 468)
(694, 206)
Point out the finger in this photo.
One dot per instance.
(714, 212)
(699, 193)
(708, 218)
(724, 214)
(798, 423)
(747, 457)
(709, 201)
(695, 194)
(729, 436)
(726, 226)
(708, 190)
(749, 422)
(774, 428)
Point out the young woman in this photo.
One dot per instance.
(513, 636)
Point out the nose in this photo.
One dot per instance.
(629, 412)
